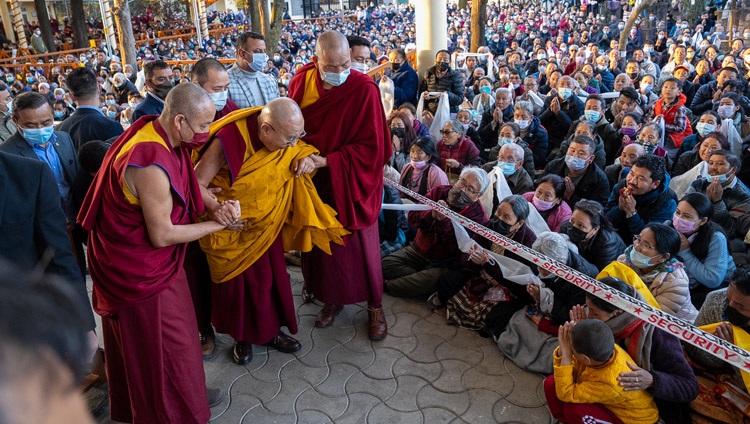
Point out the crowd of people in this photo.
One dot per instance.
(632, 170)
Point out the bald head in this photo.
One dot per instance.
(332, 55)
(331, 42)
(187, 99)
(280, 124)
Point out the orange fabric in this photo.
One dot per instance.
(741, 339)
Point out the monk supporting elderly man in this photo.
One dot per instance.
(255, 158)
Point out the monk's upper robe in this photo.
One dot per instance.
(272, 199)
(348, 125)
(125, 267)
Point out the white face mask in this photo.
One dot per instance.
(361, 67)
(219, 99)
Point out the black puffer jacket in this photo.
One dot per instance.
(602, 250)
(450, 83)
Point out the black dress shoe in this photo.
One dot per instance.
(284, 343)
(242, 353)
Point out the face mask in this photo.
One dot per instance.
(621, 27)
(198, 141)
(633, 75)
(501, 227)
(395, 66)
(38, 136)
(541, 56)
(58, 114)
(11, 79)
(574, 163)
(576, 235)
(219, 99)
(458, 198)
(638, 259)
(443, 66)
(564, 93)
(723, 178)
(336, 79)
(522, 123)
(504, 76)
(112, 114)
(398, 132)
(735, 317)
(503, 141)
(646, 87)
(128, 74)
(628, 131)
(162, 90)
(110, 102)
(704, 128)
(592, 115)
(29, 79)
(725, 111)
(683, 225)
(9, 105)
(648, 51)
(259, 61)
(361, 67)
(486, 89)
(541, 205)
(507, 168)
(418, 164)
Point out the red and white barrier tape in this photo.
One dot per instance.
(683, 330)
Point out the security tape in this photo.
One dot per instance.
(681, 329)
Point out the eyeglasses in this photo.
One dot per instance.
(289, 141)
(446, 132)
(637, 242)
(469, 189)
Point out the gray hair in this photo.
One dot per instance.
(478, 173)
(457, 126)
(524, 105)
(505, 90)
(519, 205)
(516, 150)
(553, 245)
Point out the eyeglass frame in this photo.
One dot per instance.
(465, 185)
(287, 142)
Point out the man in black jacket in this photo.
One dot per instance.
(441, 79)
(583, 180)
(87, 122)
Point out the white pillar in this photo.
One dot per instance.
(203, 18)
(18, 24)
(197, 22)
(109, 27)
(432, 34)
(7, 21)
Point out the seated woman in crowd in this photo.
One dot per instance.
(484, 101)
(422, 173)
(402, 137)
(708, 123)
(532, 132)
(660, 365)
(531, 335)
(704, 248)
(651, 138)
(481, 272)
(653, 256)
(511, 133)
(548, 200)
(455, 150)
(631, 124)
(711, 142)
(730, 108)
(590, 230)
(464, 116)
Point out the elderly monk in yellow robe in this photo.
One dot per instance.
(255, 157)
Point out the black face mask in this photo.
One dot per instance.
(395, 66)
(398, 132)
(443, 66)
(457, 199)
(735, 317)
(576, 235)
(162, 90)
(501, 226)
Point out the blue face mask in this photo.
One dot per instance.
(639, 260)
(112, 114)
(704, 128)
(38, 136)
(574, 163)
(722, 178)
(259, 61)
(592, 115)
(486, 89)
(564, 92)
(503, 141)
(336, 79)
(508, 168)
(58, 114)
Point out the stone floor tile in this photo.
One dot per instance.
(450, 380)
(342, 355)
(471, 355)
(297, 369)
(475, 378)
(404, 400)
(403, 344)
(429, 371)
(382, 367)
(425, 349)
(334, 384)
(275, 362)
(311, 416)
(361, 383)
(403, 324)
(444, 331)
(507, 413)
(481, 405)
(431, 397)
(285, 398)
(313, 400)
(360, 405)
(260, 414)
(525, 390)
(438, 415)
(382, 414)
(236, 408)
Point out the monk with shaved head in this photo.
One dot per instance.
(256, 158)
(345, 121)
(139, 213)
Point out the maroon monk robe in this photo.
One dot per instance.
(153, 358)
(254, 305)
(348, 125)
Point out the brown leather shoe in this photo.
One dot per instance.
(284, 343)
(378, 327)
(242, 353)
(208, 345)
(327, 315)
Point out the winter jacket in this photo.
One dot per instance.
(449, 83)
(593, 185)
(557, 125)
(602, 249)
(528, 157)
(658, 206)
(465, 152)
(405, 83)
(557, 215)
